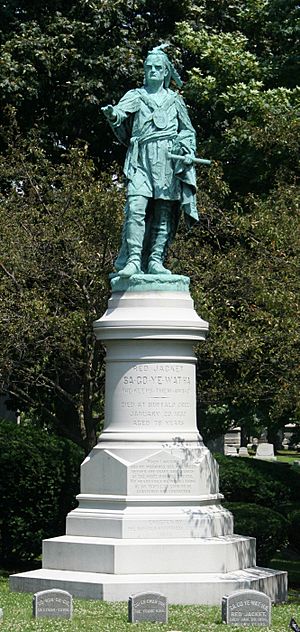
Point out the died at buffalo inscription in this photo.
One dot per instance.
(157, 394)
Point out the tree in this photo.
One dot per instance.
(60, 226)
(245, 280)
(245, 272)
(61, 60)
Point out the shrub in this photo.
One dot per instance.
(294, 529)
(241, 482)
(39, 482)
(268, 527)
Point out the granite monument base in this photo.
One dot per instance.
(183, 588)
(149, 517)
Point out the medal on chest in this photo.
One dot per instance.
(160, 119)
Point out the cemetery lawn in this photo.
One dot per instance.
(99, 616)
(287, 456)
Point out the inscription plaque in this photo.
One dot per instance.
(52, 603)
(153, 395)
(164, 473)
(148, 607)
(246, 607)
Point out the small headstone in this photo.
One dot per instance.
(1, 615)
(246, 607)
(265, 451)
(52, 603)
(230, 450)
(243, 452)
(147, 607)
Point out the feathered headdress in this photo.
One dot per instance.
(172, 72)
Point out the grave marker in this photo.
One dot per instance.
(52, 603)
(265, 451)
(246, 607)
(231, 450)
(243, 452)
(148, 607)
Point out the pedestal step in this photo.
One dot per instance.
(183, 521)
(111, 555)
(188, 588)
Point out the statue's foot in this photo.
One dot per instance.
(155, 267)
(130, 269)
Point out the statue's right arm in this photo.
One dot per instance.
(108, 111)
(127, 105)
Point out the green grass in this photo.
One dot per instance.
(282, 457)
(288, 457)
(99, 616)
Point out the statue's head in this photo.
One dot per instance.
(155, 68)
(157, 65)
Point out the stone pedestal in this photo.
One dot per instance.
(149, 514)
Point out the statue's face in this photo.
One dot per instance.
(155, 69)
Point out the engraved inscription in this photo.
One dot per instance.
(147, 607)
(159, 476)
(246, 607)
(162, 378)
(158, 394)
(159, 529)
(52, 603)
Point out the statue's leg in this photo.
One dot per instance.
(160, 235)
(134, 234)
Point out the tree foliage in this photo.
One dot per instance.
(61, 202)
(60, 225)
(61, 60)
(243, 258)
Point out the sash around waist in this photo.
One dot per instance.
(135, 141)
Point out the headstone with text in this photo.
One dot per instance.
(148, 606)
(265, 451)
(52, 603)
(246, 607)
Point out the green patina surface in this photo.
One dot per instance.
(154, 124)
(150, 283)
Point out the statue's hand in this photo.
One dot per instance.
(188, 160)
(109, 112)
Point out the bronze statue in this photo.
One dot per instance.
(153, 122)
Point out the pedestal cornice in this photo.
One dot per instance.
(145, 307)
